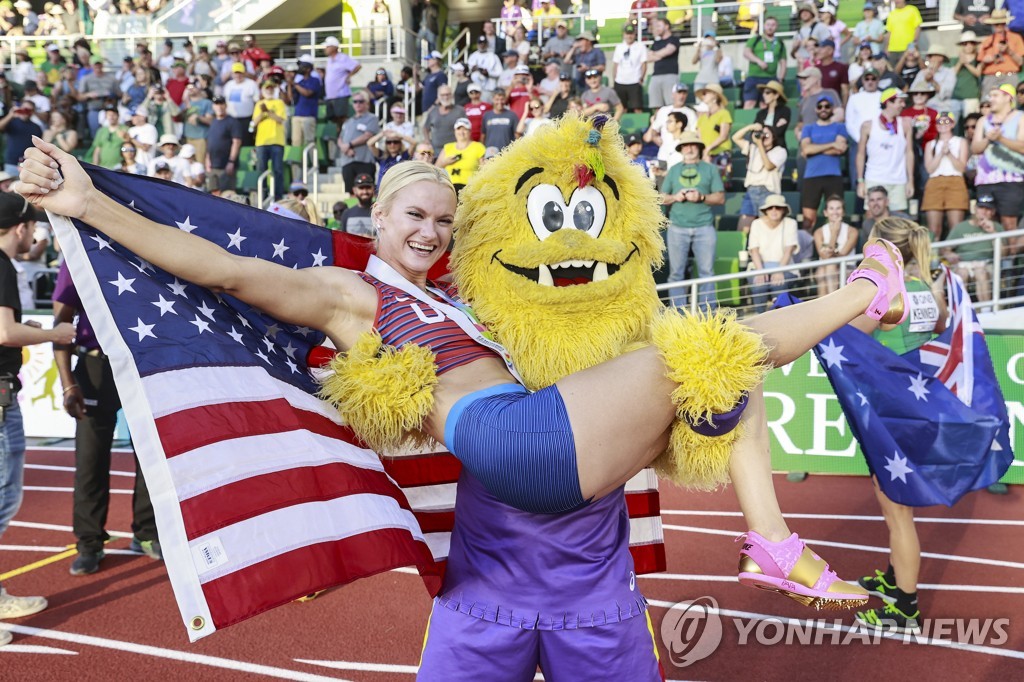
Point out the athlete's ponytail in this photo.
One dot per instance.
(914, 242)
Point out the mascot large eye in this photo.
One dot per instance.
(588, 210)
(546, 210)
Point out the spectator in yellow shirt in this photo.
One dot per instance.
(545, 17)
(903, 26)
(269, 120)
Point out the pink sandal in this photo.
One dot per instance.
(883, 266)
(792, 569)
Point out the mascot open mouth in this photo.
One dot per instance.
(568, 273)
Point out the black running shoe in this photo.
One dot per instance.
(877, 585)
(86, 563)
(891, 619)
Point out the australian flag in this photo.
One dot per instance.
(932, 423)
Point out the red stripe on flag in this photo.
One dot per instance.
(198, 426)
(645, 503)
(351, 251)
(416, 470)
(649, 558)
(258, 495)
(436, 521)
(286, 577)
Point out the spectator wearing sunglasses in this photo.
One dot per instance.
(885, 156)
(822, 144)
(130, 162)
(863, 105)
(354, 155)
(389, 147)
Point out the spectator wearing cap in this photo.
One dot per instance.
(999, 139)
(241, 93)
(689, 189)
(510, 62)
(811, 33)
(107, 141)
(193, 172)
(354, 155)
(548, 85)
(870, 29)
(198, 114)
(1001, 54)
(599, 98)
(461, 158)
(822, 144)
(545, 18)
(775, 113)
(910, 64)
(834, 75)
(433, 80)
(94, 90)
(664, 58)
(475, 110)
(863, 105)
(18, 128)
(558, 45)
(143, 135)
(390, 147)
(485, 68)
(680, 92)
(270, 118)
(772, 243)
(973, 262)
(24, 69)
(53, 65)
(227, 69)
(885, 155)
(861, 62)
(166, 59)
(972, 14)
(400, 124)
(304, 90)
(162, 111)
(253, 54)
(558, 103)
(629, 68)
(177, 82)
(945, 194)
(967, 72)
(169, 148)
(940, 77)
(714, 124)
(922, 116)
(887, 78)
(902, 28)
(766, 58)
(634, 148)
(520, 91)
(810, 92)
(219, 58)
(499, 124)
(585, 58)
(356, 219)
(439, 124)
(381, 86)
(224, 144)
(338, 72)
(839, 32)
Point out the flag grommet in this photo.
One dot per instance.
(197, 623)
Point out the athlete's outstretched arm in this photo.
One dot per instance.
(322, 298)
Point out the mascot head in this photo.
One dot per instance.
(555, 245)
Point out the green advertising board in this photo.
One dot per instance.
(809, 432)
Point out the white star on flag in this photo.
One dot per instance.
(279, 249)
(291, 365)
(305, 331)
(863, 399)
(123, 284)
(833, 354)
(273, 330)
(269, 344)
(143, 265)
(176, 287)
(244, 322)
(186, 226)
(917, 387)
(236, 335)
(206, 310)
(201, 324)
(236, 239)
(262, 357)
(318, 258)
(143, 330)
(104, 244)
(165, 306)
(289, 350)
(897, 467)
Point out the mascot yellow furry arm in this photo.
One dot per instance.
(555, 244)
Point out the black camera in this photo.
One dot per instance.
(756, 135)
(6, 391)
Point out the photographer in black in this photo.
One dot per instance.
(17, 225)
(766, 159)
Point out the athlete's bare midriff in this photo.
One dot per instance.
(459, 382)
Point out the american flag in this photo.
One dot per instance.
(262, 494)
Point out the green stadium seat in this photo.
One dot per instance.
(247, 158)
(293, 154)
(733, 202)
(743, 117)
(634, 123)
(727, 262)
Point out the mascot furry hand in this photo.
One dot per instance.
(556, 241)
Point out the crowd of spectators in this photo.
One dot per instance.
(66, 17)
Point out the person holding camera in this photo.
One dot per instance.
(17, 227)
(766, 158)
(461, 158)
(1000, 54)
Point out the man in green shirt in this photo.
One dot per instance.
(106, 146)
(974, 261)
(690, 188)
(766, 56)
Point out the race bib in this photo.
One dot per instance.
(924, 311)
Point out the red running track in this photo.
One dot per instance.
(122, 622)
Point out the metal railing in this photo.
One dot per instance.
(267, 175)
(736, 290)
(311, 166)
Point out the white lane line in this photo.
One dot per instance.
(57, 550)
(34, 649)
(170, 654)
(848, 517)
(52, 467)
(994, 589)
(67, 529)
(55, 489)
(863, 548)
(363, 667)
(826, 625)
